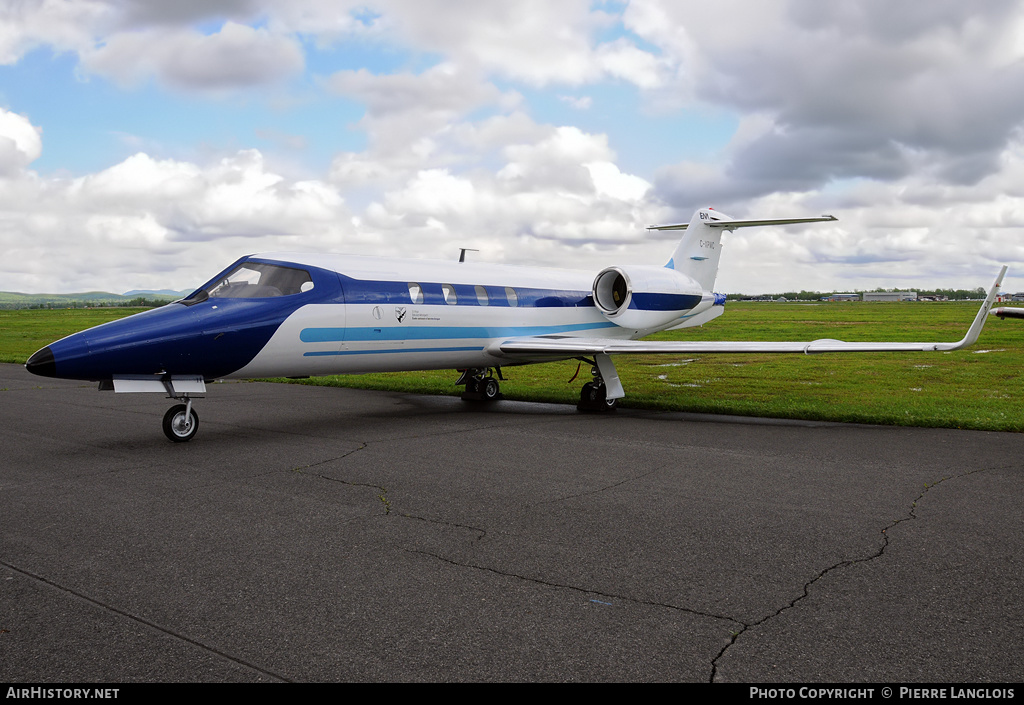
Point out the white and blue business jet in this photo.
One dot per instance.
(297, 315)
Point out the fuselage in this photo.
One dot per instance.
(306, 314)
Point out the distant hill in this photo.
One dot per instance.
(13, 299)
(159, 292)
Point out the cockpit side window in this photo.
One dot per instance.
(255, 280)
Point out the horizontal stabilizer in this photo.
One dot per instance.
(732, 224)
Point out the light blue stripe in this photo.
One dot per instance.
(395, 350)
(337, 335)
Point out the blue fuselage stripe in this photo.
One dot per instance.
(337, 335)
(393, 350)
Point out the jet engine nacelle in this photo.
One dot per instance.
(642, 297)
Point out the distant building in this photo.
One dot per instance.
(890, 296)
(844, 297)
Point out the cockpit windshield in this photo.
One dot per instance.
(255, 280)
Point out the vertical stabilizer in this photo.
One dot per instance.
(698, 251)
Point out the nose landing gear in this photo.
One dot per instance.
(181, 422)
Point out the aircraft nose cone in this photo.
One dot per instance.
(42, 363)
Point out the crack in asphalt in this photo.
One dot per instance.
(605, 488)
(439, 522)
(575, 588)
(911, 515)
(362, 446)
(383, 496)
(142, 620)
(450, 432)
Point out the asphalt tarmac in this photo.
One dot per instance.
(315, 534)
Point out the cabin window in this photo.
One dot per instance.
(481, 296)
(510, 294)
(258, 280)
(415, 293)
(449, 294)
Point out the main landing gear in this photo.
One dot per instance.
(600, 395)
(480, 385)
(594, 395)
(181, 421)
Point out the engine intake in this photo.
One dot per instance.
(644, 298)
(612, 291)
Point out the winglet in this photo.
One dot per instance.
(979, 321)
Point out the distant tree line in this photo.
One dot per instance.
(951, 294)
(138, 301)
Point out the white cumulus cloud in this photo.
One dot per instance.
(20, 142)
(237, 56)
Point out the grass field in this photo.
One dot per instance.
(978, 388)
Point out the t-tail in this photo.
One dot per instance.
(700, 248)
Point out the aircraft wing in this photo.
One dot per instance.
(1004, 312)
(565, 346)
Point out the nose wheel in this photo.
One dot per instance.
(181, 422)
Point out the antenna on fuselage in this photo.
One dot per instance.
(463, 251)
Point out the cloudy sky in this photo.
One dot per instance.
(149, 144)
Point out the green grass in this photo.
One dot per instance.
(965, 389)
(23, 331)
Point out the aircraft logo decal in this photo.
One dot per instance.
(400, 313)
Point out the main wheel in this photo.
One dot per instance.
(179, 425)
(489, 388)
(594, 397)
